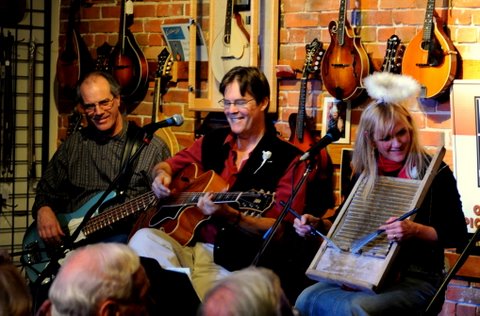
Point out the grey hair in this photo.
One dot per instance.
(90, 275)
(252, 291)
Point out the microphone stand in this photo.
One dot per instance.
(69, 244)
(267, 238)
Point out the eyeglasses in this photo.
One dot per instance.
(240, 103)
(105, 104)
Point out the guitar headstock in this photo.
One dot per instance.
(314, 56)
(74, 122)
(255, 202)
(164, 63)
(393, 55)
(103, 57)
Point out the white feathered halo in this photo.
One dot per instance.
(391, 88)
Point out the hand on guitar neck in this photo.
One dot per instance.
(184, 207)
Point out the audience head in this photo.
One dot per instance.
(15, 299)
(387, 122)
(251, 291)
(100, 279)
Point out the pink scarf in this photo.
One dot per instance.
(387, 166)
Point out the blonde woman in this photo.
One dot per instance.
(388, 144)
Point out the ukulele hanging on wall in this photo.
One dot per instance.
(430, 57)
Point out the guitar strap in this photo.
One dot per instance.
(134, 139)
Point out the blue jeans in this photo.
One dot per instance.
(409, 297)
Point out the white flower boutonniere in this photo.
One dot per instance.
(265, 156)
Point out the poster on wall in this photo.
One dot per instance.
(336, 114)
(177, 37)
(465, 103)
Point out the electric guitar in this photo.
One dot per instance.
(297, 121)
(430, 57)
(231, 47)
(37, 255)
(163, 76)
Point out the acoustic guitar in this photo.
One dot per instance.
(179, 217)
(430, 57)
(231, 46)
(345, 62)
(300, 134)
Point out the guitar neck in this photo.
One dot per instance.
(342, 16)
(118, 213)
(228, 22)
(157, 99)
(428, 23)
(300, 124)
(191, 198)
(121, 31)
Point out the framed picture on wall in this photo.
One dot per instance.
(336, 113)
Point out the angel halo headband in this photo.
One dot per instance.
(391, 88)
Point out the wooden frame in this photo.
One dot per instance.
(202, 85)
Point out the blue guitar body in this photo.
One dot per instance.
(36, 254)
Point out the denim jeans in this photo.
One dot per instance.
(409, 297)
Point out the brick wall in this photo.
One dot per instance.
(302, 21)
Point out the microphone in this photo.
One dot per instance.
(333, 134)
(175, 120)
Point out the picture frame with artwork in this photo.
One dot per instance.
(336, 113)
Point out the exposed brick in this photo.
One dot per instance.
(376, 18)
(394, 4)
(431, 138)
(466, 310)
(301, 20)
(408, 17)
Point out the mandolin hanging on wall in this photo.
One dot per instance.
(345, 62)
(128, 62)
(430, 57)
(73, 63)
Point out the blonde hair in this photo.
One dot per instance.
(378, 121)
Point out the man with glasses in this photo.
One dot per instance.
(89, 160)
(247, 155)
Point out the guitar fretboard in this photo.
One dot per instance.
(116, 214)
(428, 23)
